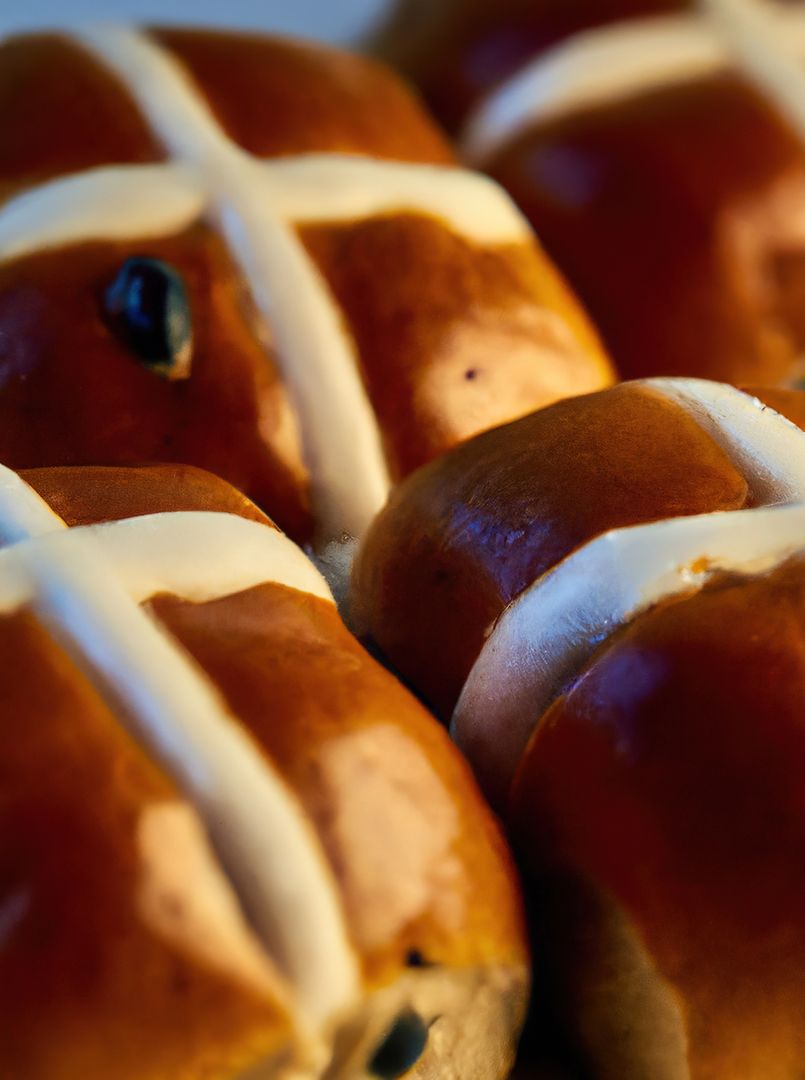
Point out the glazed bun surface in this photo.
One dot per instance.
(230, 843)
(258, 257)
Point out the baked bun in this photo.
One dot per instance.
(617, 584)
(258, 257)
(230, 844)
(661, 159)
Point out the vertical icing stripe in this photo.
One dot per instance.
(263, 838)
(252, 202)
(259, 831)
(316, 354)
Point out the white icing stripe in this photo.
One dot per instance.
(771, 455)
(84, 584)
(593, 67)
(610, 63)
(324, 188)
(341, 438)
(112, 203)
(259, 831)
(549, 632)
(201, 556)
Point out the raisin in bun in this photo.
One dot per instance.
(616, 587)
(660, 156)
(259, 257)
(231, 845)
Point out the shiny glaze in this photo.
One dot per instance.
(458, 343)
(466, 534)
(277, 97)
(106, 493)
(660, 796)
(240, 424)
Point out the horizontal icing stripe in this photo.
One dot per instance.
(324, 188)
(115, 203)
(609, 63)
(201, 556)
(551, 630)
(23, 512)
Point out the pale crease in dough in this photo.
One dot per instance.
(184, 897)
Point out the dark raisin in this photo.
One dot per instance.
(147, 308)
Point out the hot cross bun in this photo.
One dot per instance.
(231, 845)
(261, 258)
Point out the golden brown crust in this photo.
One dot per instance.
(52, 94)
(276, 96)
(670, 214)
(457, 341)
(91, 494)
(456, 51)
(90, 987)
(667, 782)
(466, 534)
